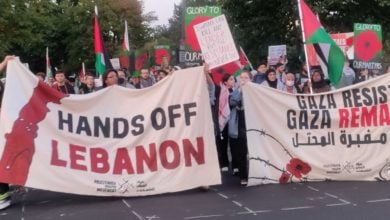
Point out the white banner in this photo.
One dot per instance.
(216, 42)
(340, 135)
(114, 142)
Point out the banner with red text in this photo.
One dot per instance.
(339, 135)
(114, 142)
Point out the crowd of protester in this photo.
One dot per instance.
(226, 100)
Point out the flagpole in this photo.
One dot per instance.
(304, 44)
(83, 68)
(250, 64)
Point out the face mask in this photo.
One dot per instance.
(121, 80)
(290, 82)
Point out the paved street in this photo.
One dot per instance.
(322, 200)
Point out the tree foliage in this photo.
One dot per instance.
(257, 24)
(27, 27)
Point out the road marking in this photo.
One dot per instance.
(23, 205)
(337, 204)
(203, 216)
(127, 204)
(345, 201)
(297, 208)
(312, 188)
(136, 214)
(43, 202)
(250, 210)
(330, 195)
(378, 200)
(237, 203)
(258, 211)
(223, 196)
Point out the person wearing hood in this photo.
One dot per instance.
(271, 80)
(318, 83)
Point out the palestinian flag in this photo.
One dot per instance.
(330, 56)
(102, 62)
(244, 61)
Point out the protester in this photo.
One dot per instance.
(110, 78)
(224, 109)
(289, 84)
(271, 80)
(302, 78)
(363, 75)
(348, 75)
(135, 81)
(41, 76)
(279, 70)
(318, 82)
(161, 74)
(61, 83)
(260, 75)
(122, 80)
(146, 79)
(237, 128)
(5, 195)
(88, 84)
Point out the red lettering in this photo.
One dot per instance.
(344, 118)
(354, 117)
(369, 118)
(54, 156)
(384, 114)
(189, 151)
(75, 157)
(99, 160)
(174, 152)
(143, 158)
(122, 162)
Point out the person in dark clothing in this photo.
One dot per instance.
(237, 129)
(318, 83)
(61, 84)
(260, 75)
(223, 109)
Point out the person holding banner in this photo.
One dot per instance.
(237, 128)
(224, 109)
(5, 195)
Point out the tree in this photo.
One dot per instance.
(27, 27)
(258, 24)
